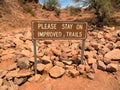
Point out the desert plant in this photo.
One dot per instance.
(28, 9)
(51, 5)
(22, 2)
(57, 12)
(103, 9)
(73, 10)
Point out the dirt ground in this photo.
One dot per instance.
(102, 81)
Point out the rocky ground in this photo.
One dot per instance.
(60, 59)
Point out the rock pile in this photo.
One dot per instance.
(56, 57)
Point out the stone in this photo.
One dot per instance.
(19, 81)
(113, 55)
(74, 52)
(1, 81)
(81, 68)
(56, 51)
(56, 72)
(5, 87)
(34, 78)
(107, 60)
(26, 53)
(46, 59)
(23, 63)
(74, 72)
(67, 62)
(87, 68)
(91, 60)
(58, 63)
(48, 67)
(94, 67)
(24, 73)
(112, 67)
(101, 65)
(11, 74)
(40, 67)
(3, 73)
(18, 42)
(90, 54)
(90, 76)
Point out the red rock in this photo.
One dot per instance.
(56, 72)
(19, 81)
(67, 62)
(91, 60)
(74, 72)
(34, 78)
(87, 68)
(58, 63)
(75, 52)
(24, 73)
(18, 42)
(101, 65)
(90, 76)
(90, 54)
(23, 63)
(107, 60)
(113, 55)
(26, 53)
(40, 67)
(46, 59)
(56, 52)
(94, 67)
(81, 68)
(48, 67)
(112, 67)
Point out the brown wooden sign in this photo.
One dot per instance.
(58, 30)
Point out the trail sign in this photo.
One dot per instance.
(58, 30)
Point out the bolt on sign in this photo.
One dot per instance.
(58, 30)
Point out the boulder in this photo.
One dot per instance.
(113, 55)
(74, 72)
(56, 51)
(23, 63)
(81, 68)
(101, 65)
(112, 67)
(40, 67)
(46, 59)
(19, 81)
(91, 60)
(58, 63)
(90, 76)
(67, 62)
(56, 72)
(34, 78)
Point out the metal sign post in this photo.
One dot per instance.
(58, 30)
(83, 49)
(35, 56)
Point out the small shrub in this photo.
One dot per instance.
(29, 10)
(51, 5)
(57, 12)
(22, 2)
(72, 10)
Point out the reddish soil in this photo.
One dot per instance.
(102, 81)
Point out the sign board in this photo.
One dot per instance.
(58, 30)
